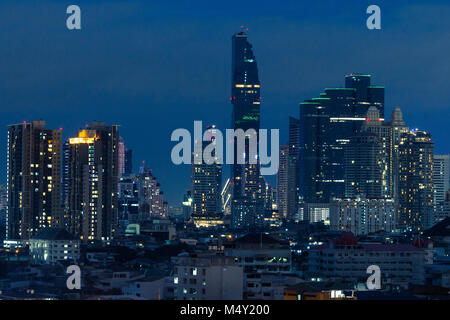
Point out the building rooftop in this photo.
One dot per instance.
(258, 238)
(53, 233)
(441, 229)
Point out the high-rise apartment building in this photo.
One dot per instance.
(33, 179)
(416, 194)
(398, 130)
(363, 166)
(206, 186)
(121, 156)
(384, 132)
(441, 181)
(293, 187)
(92, 199)
(282, 181)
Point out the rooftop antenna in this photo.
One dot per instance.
(142, 168)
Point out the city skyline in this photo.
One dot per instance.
(114, 190)
(140, 101)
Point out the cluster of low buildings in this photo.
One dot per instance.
(300, 262)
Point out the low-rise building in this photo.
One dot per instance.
(259, 252)
(52, 244)
(207, 277)
(267, 286)
(362, 216)
(347, 259)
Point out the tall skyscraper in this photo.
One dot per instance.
(206, 187)
(327, 124)
(416, 181)
(288, 173)
(92, 210)
(441, 181)
(293, 187)
(121, 156)
(33, 179)
(398, 130)
(282, 181)
(247, 207)
(312, 185)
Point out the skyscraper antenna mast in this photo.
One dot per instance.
(244, 28)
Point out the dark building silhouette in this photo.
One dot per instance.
(128, 166)
(247, 207)
(33, 179)
(327, 123)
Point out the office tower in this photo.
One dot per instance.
(92, 198)
(33, 179)
(363, 166)
(327, 123)
(441, 181)
(416, 181)
(282, 183)
(366, 95)
(151, 197)
(206, 185)
(313, 122)
(128, 166)
(247, 201)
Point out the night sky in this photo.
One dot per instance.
(152, 67)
